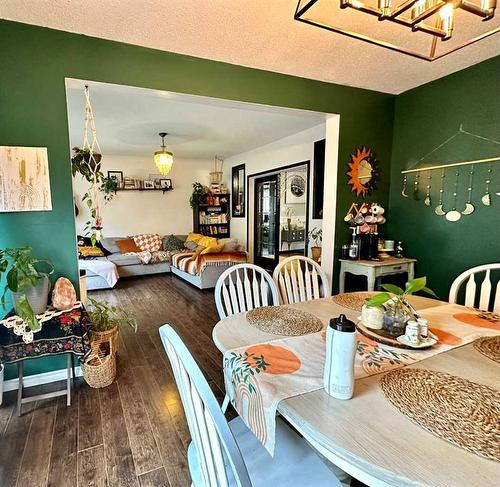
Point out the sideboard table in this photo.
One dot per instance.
(67, 333)
(375, 268)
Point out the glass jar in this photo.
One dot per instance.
(395, 321)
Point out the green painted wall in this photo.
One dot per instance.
(34, 62)
(424, 118)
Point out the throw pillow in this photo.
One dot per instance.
(87, 242)
(127, 245)
(171, 243)
(190, 245)
(213, 249)
(232, 247)
(89, 251)
(148, 242)
(207, 241)
(194, 237)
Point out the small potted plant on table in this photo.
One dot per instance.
(27, 282)
(397, 311)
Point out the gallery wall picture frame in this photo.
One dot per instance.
(318, 178)
(149, 184)
(117, 176)
(165, 183)
(24, 179)
(238, 191)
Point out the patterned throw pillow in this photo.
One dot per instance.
(172, 243)
(89, 251)
(148, 242)
(190, 245)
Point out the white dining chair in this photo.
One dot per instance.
(485, 292)
(244, 287)
(223, 454)
(300, 278)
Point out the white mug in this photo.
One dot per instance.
(412, 332)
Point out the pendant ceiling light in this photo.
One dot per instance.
(425, 29)
(163, 159)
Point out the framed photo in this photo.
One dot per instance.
(149, 184)
(156, 179)
(24, 179)
(165, 183)
(117, 176)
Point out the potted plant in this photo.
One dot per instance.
(106, 321)
(27, 282)
(85, 163)
(397, 311)
(199, 194)
(316, 237)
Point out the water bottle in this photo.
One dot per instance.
(341, 344)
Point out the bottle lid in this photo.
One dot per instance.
(343, 324)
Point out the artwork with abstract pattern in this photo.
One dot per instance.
(24, 179)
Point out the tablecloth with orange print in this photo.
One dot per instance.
(258, 377)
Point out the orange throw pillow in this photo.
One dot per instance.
(127, 245)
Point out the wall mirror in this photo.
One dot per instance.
(363, 172)
(238, 191)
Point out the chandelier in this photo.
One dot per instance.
(425, 29)
(163, 159)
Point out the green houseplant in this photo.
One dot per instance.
(397, 311)
(198, 195)
(27, 282)
(316, 237)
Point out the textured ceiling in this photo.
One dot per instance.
(128, 121)
(256, 33)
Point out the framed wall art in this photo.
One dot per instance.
(24, 179)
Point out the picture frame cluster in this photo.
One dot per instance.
(155, 182)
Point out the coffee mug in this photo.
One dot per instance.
(412, 332)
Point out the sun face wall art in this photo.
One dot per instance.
(363, 172)
(24, 179)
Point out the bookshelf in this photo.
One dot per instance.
(211, 217)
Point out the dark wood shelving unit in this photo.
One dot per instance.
(218, 208)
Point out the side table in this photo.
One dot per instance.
(375, 268)
(66, 333)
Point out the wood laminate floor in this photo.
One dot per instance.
(132, 433)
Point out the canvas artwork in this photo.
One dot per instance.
(24, 179)
(295, 188)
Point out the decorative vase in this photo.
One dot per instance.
(395, 321)
(316, 253)
(37, 295)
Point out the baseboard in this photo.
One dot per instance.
(39, 379)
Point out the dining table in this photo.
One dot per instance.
(367, 436)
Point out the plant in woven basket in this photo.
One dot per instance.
(27, 282)
(105, 317)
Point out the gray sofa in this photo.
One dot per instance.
(130, 265)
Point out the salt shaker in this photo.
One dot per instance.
(341, 343)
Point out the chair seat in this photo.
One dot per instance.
(294, 462)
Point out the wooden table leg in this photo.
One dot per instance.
(73, 370)
(371, 280)
(20, 371)
(68, 380)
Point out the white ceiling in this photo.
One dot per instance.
(128, 121)
(256, 33)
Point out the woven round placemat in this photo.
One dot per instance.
(282, 320)
(352, 300)
(489, 346)
(457, 410)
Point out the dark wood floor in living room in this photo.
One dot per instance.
(132, 433)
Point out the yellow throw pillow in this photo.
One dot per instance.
(194, 237)
(207, 241)
(213, 249)
(90, 252)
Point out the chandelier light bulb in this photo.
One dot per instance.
(385, 7)
(447, 14)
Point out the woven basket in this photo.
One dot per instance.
(99, 369)
(106, 336)
(216, 177)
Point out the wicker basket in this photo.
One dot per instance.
(99, 369)
(106, 336)
(216, 177)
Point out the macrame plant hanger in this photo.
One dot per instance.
(92, 145)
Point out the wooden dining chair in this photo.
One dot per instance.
(223, 454)
(300, 278)
(244, 287)
(485, 293)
